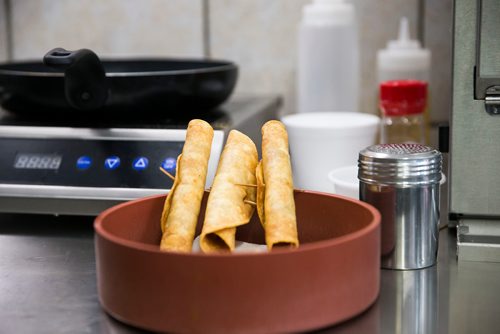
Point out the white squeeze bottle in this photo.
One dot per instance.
(404, 58)
(328, 57)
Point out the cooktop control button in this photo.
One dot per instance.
(169, 164)
(112, 162)
(84, 162)
(140, 163)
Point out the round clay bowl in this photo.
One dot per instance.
(333, 275)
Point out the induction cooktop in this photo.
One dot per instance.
(80, 165)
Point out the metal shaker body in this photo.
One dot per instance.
(402, 182)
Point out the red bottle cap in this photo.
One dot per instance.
(403, 97)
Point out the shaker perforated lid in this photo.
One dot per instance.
(400, 165)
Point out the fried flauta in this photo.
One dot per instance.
(229, 200)
(182, 206)
(275, 201)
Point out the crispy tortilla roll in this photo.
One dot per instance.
(226, 208)
(182, 206)
(275, 203)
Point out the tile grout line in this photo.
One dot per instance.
(206, 28)
(8, 29)
(421, 21)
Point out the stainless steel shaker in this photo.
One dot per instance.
(402, 182)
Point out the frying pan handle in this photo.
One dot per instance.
(85, 82)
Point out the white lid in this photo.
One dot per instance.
(328, 12)
(404, 54)
(334, 123)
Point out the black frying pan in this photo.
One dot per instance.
(78, 80)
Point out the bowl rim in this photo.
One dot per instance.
(306, 247)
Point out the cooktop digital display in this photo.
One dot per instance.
(37, 161)
(88, 163)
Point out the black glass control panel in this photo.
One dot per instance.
(88, 163)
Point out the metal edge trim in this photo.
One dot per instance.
(71, 192)
(12, 131)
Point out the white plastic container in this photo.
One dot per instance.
(345, 181)
(403, 58)
(322, 141)
(328, 57)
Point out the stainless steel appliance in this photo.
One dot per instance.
(80, 167)
(475, 130)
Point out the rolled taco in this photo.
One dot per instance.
(182, 206)
(275, 201)
(226, 206)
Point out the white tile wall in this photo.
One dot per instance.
(3, 32)
(111, 27)
(259, 35)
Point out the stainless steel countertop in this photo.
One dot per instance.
(48, 285)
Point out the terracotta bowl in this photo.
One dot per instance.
(333, 275)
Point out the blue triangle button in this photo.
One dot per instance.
(140, 163)
(112, 162)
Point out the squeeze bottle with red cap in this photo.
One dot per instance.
(402, 104)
